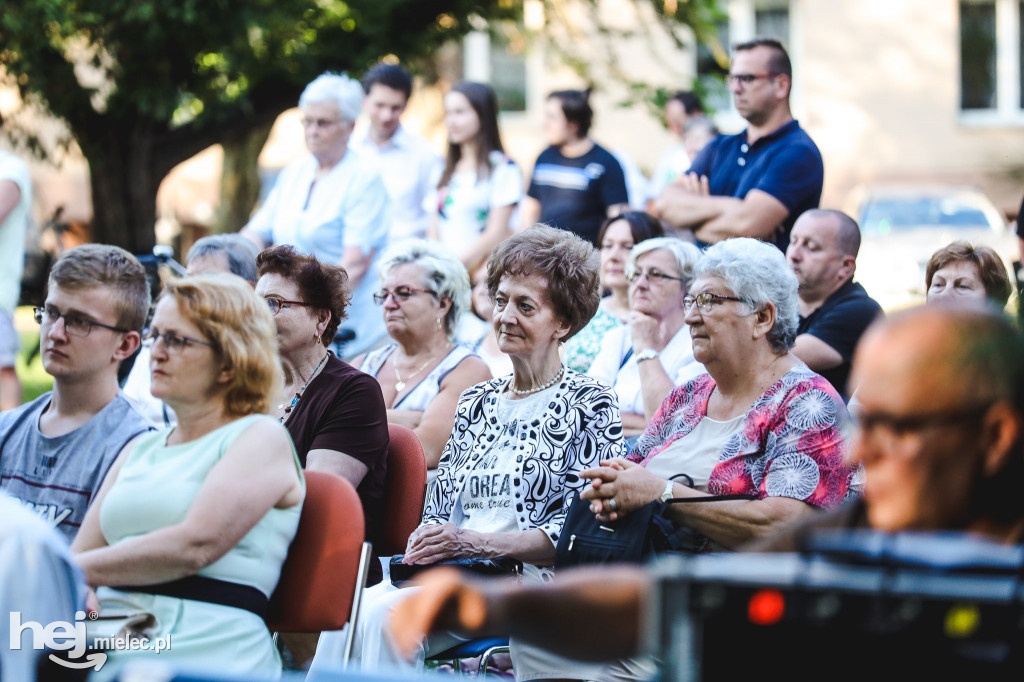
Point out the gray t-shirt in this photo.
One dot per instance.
(59, 477)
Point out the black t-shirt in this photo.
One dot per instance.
(342, 409)
(575, 193)
(840, 322)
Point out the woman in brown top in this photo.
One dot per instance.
(334, 413)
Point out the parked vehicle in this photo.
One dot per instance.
(902, 226)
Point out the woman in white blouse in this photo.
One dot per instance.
(480, 186)
(652, 353)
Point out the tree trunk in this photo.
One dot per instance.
(240, 178)
(124, 180)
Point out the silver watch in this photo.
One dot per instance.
(667, 494)
(647, 354)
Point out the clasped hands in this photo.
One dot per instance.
(619, 487)
(436, 542)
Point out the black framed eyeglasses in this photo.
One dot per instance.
(172, 342)
(895, 428)
(745, 79)
(401, 294)
(706, 301)
(275, 304)
(74, 324)
(653, 276)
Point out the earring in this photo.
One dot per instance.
(316, 339)
(439, 323)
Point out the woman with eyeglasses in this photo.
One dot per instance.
(192, 525)
(511, 464)
(651, 354)
(335, 414)
(758, 423)
(332, 204)
(421, 375)
(615, 240)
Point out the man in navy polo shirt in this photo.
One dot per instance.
(756, 183)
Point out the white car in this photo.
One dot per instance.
(902, 226)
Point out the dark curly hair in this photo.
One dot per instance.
(569, 264)
(321, 285)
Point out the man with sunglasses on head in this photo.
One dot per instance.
(755, 183)
(55, 450)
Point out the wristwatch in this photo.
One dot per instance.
(647, 354)
(667, 494)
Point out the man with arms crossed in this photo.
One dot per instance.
(55, 450)
(755, 183)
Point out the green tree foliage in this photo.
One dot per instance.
(145, 84)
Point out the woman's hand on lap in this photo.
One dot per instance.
(629, 485)
(437, 542)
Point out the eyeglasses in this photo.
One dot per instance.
(745, 79)
(706, 301)
(74, 325)
(401, 294)
(275, 304)
(321, 123)
(172, 342)
(895, 430)
(652, 276)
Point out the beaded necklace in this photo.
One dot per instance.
(538, 389)
(298, 394)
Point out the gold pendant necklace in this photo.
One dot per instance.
(400, 383)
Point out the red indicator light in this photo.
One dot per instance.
(766, 607)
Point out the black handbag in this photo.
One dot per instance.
(502, 566)
(636, 538)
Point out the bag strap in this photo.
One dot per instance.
(626, 357)
(711, 498)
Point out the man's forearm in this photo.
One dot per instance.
(686, 210)
(590, 614)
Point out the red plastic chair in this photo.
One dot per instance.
(406, 487)
(326, 560)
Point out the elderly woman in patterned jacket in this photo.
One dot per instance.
(512, 464)
(758, 423)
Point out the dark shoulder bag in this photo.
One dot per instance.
(498, 567)
(636, 538)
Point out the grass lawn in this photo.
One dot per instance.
(34, 379)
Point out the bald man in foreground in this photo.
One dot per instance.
(941, 439)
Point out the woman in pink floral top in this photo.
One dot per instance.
(758, 423)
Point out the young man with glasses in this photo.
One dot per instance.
(55, 451)
(755, 183)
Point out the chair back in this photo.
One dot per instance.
(319, 576)
(404, 491)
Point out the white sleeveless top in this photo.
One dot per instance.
(428, 387)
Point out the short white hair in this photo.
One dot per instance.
(758, 273)
(685, 253)
(344, 92)
(444, 274)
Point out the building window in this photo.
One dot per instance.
(992, 61)
(497, 56)
(977, 55)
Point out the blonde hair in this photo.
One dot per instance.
(239, 325)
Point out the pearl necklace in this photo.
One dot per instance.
(400, 383)
(545, 385)
(298, 394)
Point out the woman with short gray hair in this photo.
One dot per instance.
(332, 204)
(759, 423)
(651, 354)
(421, 375)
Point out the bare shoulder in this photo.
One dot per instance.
(471, 370)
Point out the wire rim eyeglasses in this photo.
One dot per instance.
(401, 294)
(652, 276)
(172, 342)
(706, 301)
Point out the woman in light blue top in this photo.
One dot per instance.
(192, 524)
